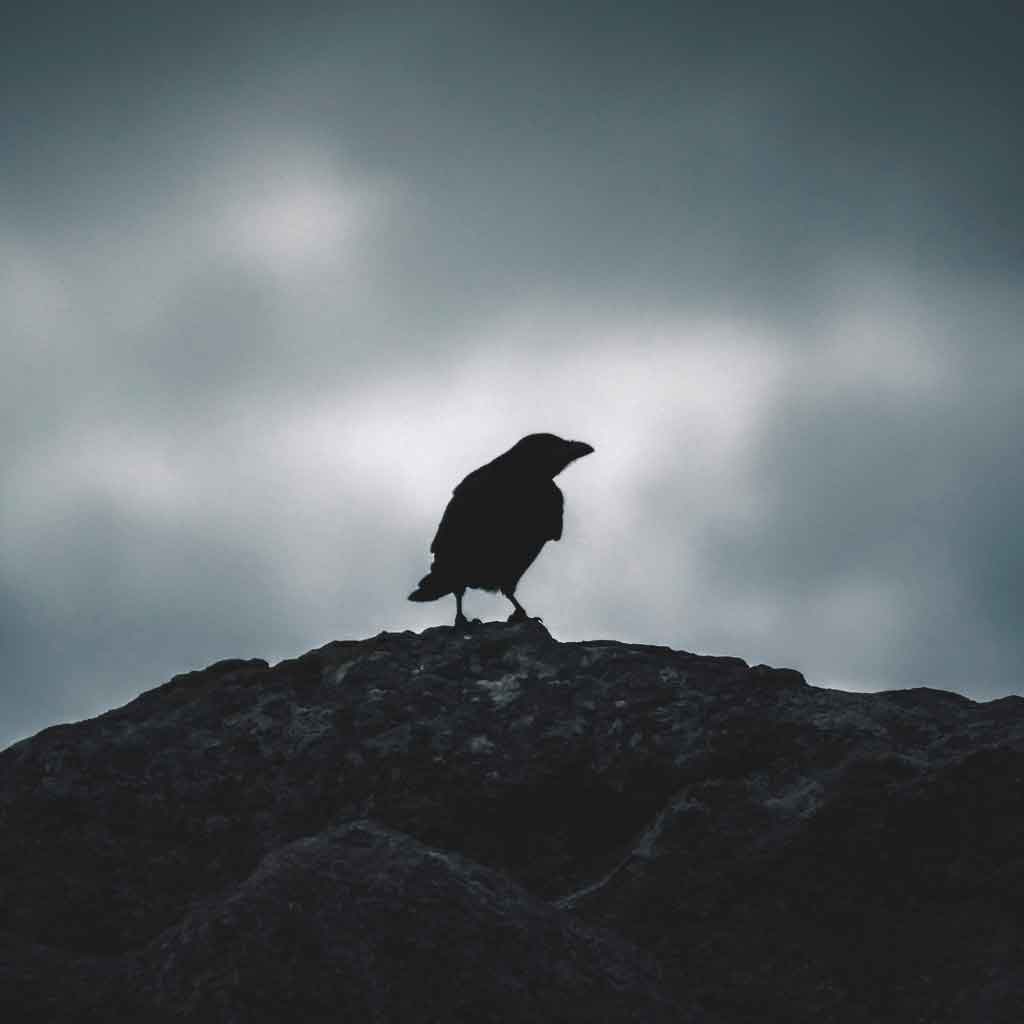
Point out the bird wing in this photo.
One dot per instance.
(472, 504)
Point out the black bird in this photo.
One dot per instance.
(497, 521)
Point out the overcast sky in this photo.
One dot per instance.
(272, 282)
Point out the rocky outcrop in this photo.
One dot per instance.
(492, 825)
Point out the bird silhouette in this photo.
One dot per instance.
(497, 521)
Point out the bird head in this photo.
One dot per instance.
(547, 453)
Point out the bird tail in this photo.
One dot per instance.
(430, 589)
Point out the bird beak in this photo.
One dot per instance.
(577, 449)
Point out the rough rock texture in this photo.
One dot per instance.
(493, 826)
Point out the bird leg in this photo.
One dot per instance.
(519, 615)
(461, 622)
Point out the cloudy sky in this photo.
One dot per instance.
(274, 277)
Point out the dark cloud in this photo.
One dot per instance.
(274, 279)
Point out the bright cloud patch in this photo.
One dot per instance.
(292, 221)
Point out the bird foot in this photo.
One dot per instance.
(521, 616)
(461, 622)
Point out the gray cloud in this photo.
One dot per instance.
(272, 285)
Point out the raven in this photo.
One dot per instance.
(497, 521)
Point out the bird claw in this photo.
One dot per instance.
(518, 616)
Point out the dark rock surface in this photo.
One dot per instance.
(493, 826)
